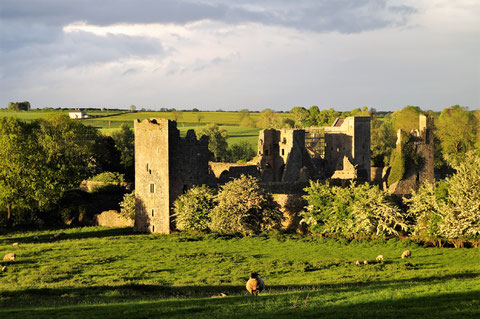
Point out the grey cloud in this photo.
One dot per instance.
(315, 15)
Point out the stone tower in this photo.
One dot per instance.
(166, 165)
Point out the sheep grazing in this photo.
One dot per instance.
(357, 263)
(365, 262)
(380, 258)
(407, 253)
(4, 268)
(9, 257)
(255, 284)
(15, 244)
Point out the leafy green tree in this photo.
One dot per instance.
(244, 207)
(301, 116)
(19, 106)
(41, 160)
(383, 140)
(356, 210)
(267, 119)
(66, 157)
(17, 164)
(217, 143)
(125, 144)
(426, 210)
(326, 117)
(241, 152)
(406, 119)
(462, 218)
(456, 128)
(248, 122)
(192, 209)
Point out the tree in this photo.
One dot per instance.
(383, 140)
(244, 207)
(241, 152)
(456, 128)
(217, 143)
(462, 218)
(125, 144)
(199, 117)
(267, 119)
(406, 118)
(17, 158)
(41, 160)
(66, 157)
(356, 210)
(177, 115)
(192, 209)
(19, 106)
(301, 116)
(426, 210)
(248, 122)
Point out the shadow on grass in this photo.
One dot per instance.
(141, 292)
(46, 237)
(446, 305)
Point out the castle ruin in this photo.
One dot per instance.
(166, 165)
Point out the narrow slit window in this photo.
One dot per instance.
(147, 167)
(153, 213)
(152, 188)
(153, 228)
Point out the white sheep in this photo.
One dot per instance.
(365, 262)
(406, 253)
(9, 257)
(379, 258)
(4, 268)
(357, 263)
(255, 284)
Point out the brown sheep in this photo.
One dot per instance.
(9, 257)
(406, 253)
(255, 284)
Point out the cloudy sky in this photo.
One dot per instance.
(235, 54)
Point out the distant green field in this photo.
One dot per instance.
(96, 272)
(109, 121)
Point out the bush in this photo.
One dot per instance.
(243, 207)
(359, 210)
(109, 177)
(192, 209)
(128, 205)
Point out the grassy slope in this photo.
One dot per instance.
(98, 272)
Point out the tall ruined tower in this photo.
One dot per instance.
(165, 166)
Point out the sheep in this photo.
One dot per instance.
(9, 257)
(380, 258)
(4, 268)
(15, 244)
(357, 263)
(365, 262)
(406, 253)
(36, 238)
(255, 284)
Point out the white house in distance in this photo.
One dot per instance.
(78, 114)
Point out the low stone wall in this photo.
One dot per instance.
(111, 218)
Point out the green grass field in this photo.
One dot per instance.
(95, 272)
(109, 121)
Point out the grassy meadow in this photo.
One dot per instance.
(96, 272)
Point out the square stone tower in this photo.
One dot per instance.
(166, 165)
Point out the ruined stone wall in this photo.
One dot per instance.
(351, 139)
